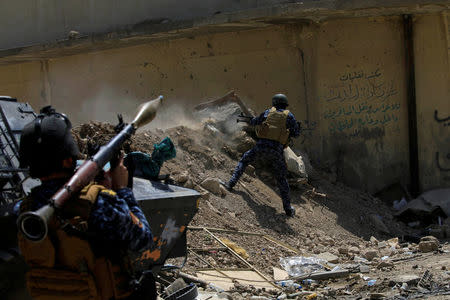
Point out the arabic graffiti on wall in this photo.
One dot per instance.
(444, 121)
(442, 160)
(360, 101)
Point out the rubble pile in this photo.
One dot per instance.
(364, 251)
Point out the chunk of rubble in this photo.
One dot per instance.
(343, 250)
(370, 254)
(329, 257)
(428, 244)
(410, 279)
(212, 185)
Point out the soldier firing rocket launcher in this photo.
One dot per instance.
(34, 224)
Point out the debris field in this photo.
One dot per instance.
(236, 240)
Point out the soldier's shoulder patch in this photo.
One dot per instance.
(108, 193)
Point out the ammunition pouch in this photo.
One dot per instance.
(63, 265)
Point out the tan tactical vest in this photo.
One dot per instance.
(274, 127)
(63, 266)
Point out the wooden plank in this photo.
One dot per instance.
(242, 259)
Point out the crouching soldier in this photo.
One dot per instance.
(84, 255)
(274, 128)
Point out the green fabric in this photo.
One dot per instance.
(147, 166)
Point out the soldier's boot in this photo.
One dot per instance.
(290, 211)
(227, 185)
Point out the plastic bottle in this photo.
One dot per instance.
(289, 283)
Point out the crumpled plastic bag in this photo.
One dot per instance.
(146, 166)
(294, 163)
(300, 265)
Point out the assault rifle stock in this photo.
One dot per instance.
(243, 118)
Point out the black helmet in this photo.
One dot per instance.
(280, 100)
(45, 142)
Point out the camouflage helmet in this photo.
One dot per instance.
(280, 100)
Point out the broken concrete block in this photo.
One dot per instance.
(212, 185)
(354, 249)
(189, 184)
(223, 191)
(343, 250)
(428, 244)
(328, 257)
(364, 269)
(385, 264)
(182, 178)
(382, 244)
(279, 274)
(329, 241)
(373, 240)
(393, 242)
(370, 254)
(407, 278)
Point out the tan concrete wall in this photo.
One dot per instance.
(25, 82)
(359, 102)
(256, 64)
(345, 78)
(433, 99)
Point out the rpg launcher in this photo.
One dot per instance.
(243, 118)
(34, 224)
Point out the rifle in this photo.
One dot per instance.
(243, 118)
(34, 224)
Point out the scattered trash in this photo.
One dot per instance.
(371, 282)
(427, 208)
(309, 281)
(360, 259)
(426, 280)
(337, 268)
(239, 250)
(300, 265)
(312, 296)
(294, 163)
(289, 284)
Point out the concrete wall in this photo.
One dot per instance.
(345, 80)
(27, 22)
(433, 99)
(359, 102)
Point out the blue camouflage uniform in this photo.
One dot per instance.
(109, 221)
(272, 152)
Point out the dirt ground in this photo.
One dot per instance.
(330, 218)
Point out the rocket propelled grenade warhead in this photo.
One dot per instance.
(147, 112)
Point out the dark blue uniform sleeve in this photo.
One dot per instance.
(292, 125)
(258, 120)
(118, 218)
